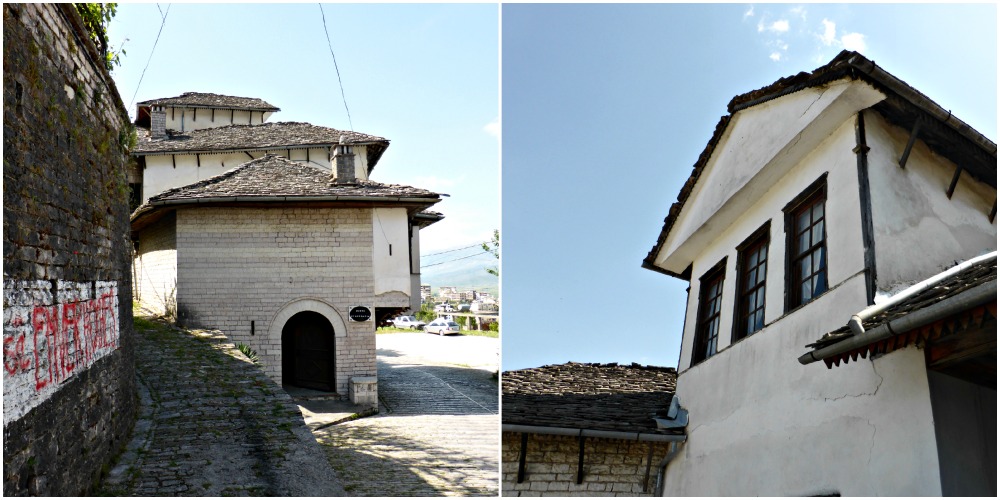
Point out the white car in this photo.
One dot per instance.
(408, 322)
(441, 327)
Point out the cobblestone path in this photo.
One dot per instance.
(437, 433)
(214, 425)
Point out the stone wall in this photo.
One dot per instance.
(611, 467)
(246, 270)
(68, 380)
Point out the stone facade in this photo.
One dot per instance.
(611, 467)
(69, 395)
(246, 271)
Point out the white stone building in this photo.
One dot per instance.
(274, 234)
(817, 197)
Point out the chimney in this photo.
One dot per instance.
(157, 123)
(343, 159)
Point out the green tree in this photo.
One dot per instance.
(493, 247)
(96, 17)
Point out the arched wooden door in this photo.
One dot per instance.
(308, 352)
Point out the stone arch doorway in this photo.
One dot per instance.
(308, 352)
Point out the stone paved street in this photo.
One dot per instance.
(213, 424)
(437, 433)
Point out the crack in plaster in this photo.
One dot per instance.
(817, 99)
(873, 393)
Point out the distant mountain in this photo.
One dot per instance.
(446, 270)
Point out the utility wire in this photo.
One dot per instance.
(453, 260)
(455, 250)
(163, 22)
(330, 45)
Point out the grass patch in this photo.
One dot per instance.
(477, 333)
(392, 329)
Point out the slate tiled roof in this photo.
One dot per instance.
(208, 100)
(275, 135)
(277, 176)
(607, 397)
(903, 107)
(972, 277)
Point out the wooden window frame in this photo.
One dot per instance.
(706, 345)
(757, 241)
(813, 195)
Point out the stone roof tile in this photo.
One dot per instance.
(608, 397)
(209, 100)
(277, 176)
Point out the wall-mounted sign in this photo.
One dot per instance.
(360, 313)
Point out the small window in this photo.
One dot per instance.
(752, 276)
(805, 225)
(706, 338)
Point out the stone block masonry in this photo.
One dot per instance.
(240, 268)
(611, 467)
(68, 378)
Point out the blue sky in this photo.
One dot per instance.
(606, 109)
(423, 76)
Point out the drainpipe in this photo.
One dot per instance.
(661, 468)
(963, 301)
(856, 320)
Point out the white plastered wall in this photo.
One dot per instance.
(188, 119)
(391, 268)
(918, 230)
(167, 171)
(763, 424)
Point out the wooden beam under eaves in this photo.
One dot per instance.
(909, 144)
(521, 458)
(954, 181)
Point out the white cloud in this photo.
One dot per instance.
(829, 32)
(854, 41)
(780, 26)
(493, 127)
(799, 11)
(748, 13)
(776, 56)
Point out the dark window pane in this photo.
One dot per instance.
(817, 232)
(817, 211)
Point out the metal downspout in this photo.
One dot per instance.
(856, 320)
(661, 468)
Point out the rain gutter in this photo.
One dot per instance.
(661, 468)
(857, 320)
(251, 199)
(963, 301)
(566, 431)
(905, 91)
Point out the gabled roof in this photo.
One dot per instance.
(275, 135)
(604, 397)
(276, 179)
(904, 107)
(208, 100)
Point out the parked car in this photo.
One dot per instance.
(408, 322)
(441, 326)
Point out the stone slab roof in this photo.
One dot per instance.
(607, 397)
(276, 135)
(208, 100)
(276, 176)
(972, 277)
(904, 107)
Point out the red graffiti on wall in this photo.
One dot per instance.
(65, 338)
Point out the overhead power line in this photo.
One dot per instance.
(453, 260)
(453, 250)
(163, 22)
(330, 45)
